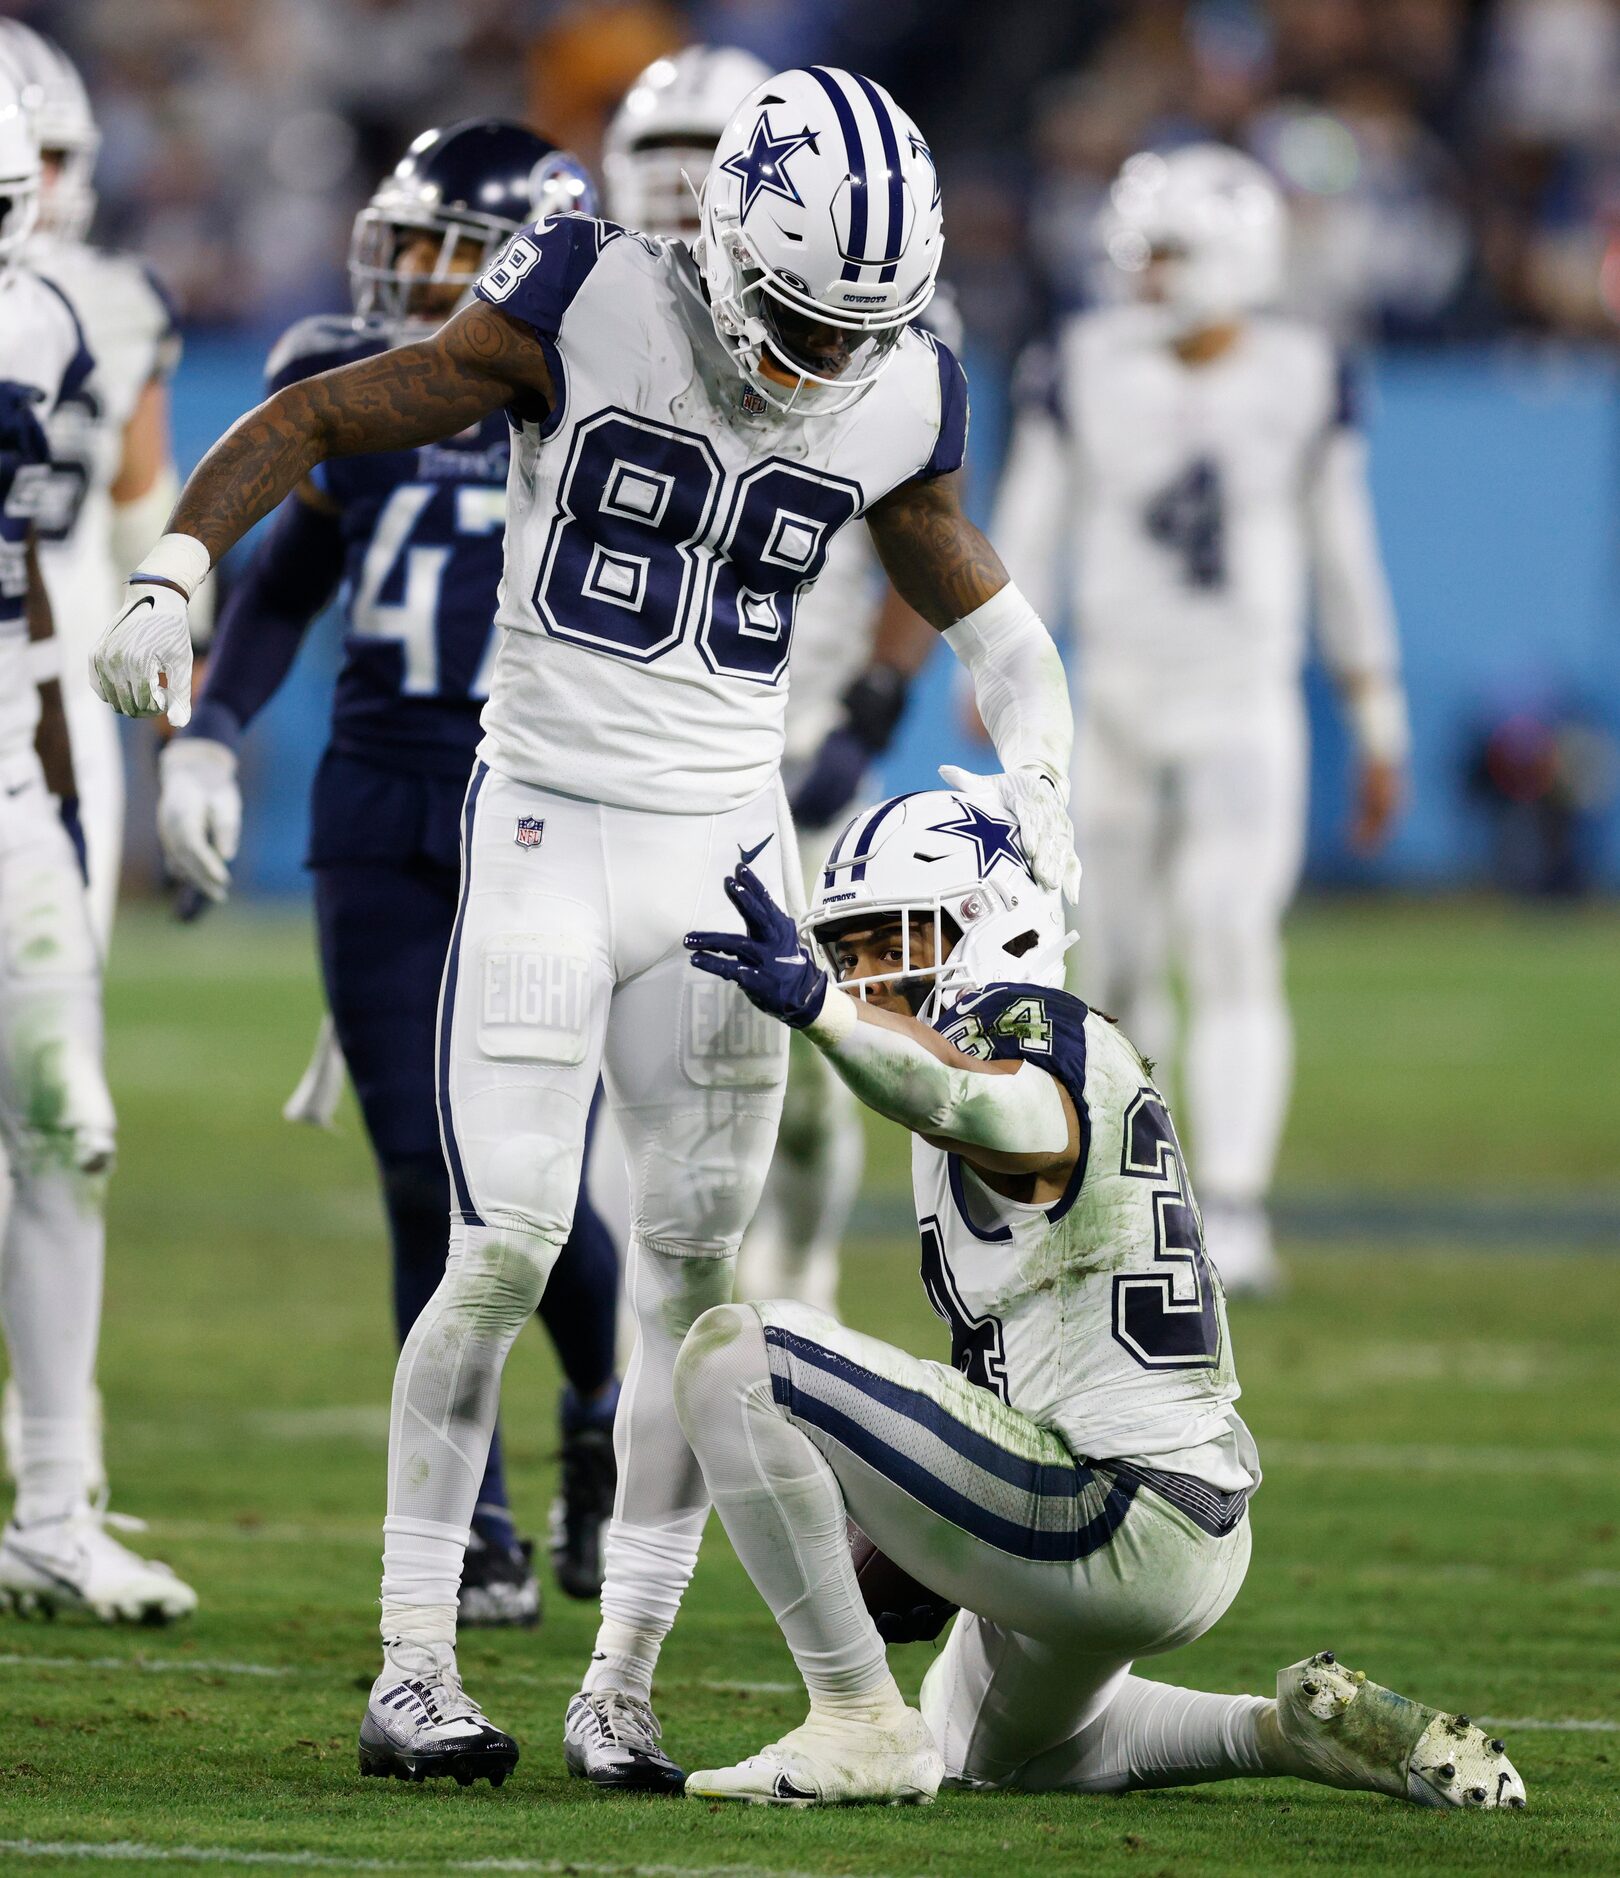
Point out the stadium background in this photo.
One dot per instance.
(1436, 1400)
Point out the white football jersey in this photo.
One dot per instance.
(1188, 504)
(130, 329)
(42, 349)
(1099, 1316)
(662, 525)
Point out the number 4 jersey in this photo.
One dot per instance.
(663, 522)
(1098, 1316)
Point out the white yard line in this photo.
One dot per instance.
(148, 1665)
(1569, 1726)
(133, 1852)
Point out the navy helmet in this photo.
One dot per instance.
(478, 180)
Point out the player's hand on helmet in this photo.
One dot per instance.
(199, 813)
(768, 962)
(1035, 802)
(142, 664)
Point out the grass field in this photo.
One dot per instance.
(1439, 1417)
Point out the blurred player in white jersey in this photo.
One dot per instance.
(691, 427)
(1197, 461)
(856, 647)
(56, 1117)
(1076, 1480)
(113, 478)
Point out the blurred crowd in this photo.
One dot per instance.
(1454, 167)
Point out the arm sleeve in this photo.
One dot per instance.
(1355, 616)
(287, 583)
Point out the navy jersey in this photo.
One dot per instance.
(422, 547)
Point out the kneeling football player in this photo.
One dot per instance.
(1077, 1479)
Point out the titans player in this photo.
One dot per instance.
(691, 428)
(414, 539)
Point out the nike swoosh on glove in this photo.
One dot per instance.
(142, 663)
(1033, 800)
(769, 962)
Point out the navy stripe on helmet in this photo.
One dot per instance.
(855, 154)
(895, 238)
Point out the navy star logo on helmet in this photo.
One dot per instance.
(762, 167)
(919, 148)
(991, 836)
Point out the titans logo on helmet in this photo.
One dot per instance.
(991, 836)
(762, 167)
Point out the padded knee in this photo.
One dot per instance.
(494, 1275)
(709, 1353)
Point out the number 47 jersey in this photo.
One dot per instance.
(1098, 1316)
(663, 521)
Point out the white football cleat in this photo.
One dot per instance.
(1349, 1732)
(834, 1763)
(75, 1564)
(612, 1740)
(420, 1723)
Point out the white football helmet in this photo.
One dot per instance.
(821, 236)
(664, 132)
(941, 857)
(64, 127)
(1214, 222)
(19, 166)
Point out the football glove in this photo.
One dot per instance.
(769, 962)
(22, 438)
(199, 813)
(142, 664)
(1034, 801)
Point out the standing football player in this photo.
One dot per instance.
(113, 479)
(1077, 1478)
(414, 539)
(856, 648)
(1201, 459)
(56, 1117)
(690, 430)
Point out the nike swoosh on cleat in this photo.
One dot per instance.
(786, 1790)
(746, 857)
(44, 1569)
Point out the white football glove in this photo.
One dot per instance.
(199, 812)
(142, 664)
(1034, 801)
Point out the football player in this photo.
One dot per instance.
(414, 539)
(56, 1117)
(690, 429)
(1077, 1478)
(1202, 459)
(856, 647)
(113, 479)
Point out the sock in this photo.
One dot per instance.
(1154, 1735)
(784, 1512)
(623, 1659)
(493, 1524)
(405, 1625)
(577, 1413)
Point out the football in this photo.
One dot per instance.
(903, 1610)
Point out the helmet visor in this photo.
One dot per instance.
(821, 349)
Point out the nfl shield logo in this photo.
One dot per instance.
(530, 831)
(754, 404)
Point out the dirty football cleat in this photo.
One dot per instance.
(75, 1564)
(580, 1512)
(421, 1724)
(1349, 1732)
(611, 1739)
(498, 1587)
(834, 1763)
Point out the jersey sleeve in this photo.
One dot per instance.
(317, 345)
(950, 442)
(536, 276)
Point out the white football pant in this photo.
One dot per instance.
(567, 962)
(57, 1124)
(792, 1247)
(1066, 1571)
(98, 772)
(1191, 828)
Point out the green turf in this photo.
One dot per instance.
(1439, 1431)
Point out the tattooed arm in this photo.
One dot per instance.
(415, 394)
(941, 564)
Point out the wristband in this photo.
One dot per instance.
(837, 1017)
(1376, 708)
(181, 560)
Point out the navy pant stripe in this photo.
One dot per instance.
(447, 1006)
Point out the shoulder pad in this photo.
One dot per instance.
(318, 343)
(950, 442)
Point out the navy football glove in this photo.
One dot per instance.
(22, 438)
(872, 707)
(769, 962)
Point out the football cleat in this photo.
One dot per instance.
(826, 1762)
(580, 1511)
(75, 1564)
(1349, 1732)
(611, 1739)
(498, 1587)
(421, 1724)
